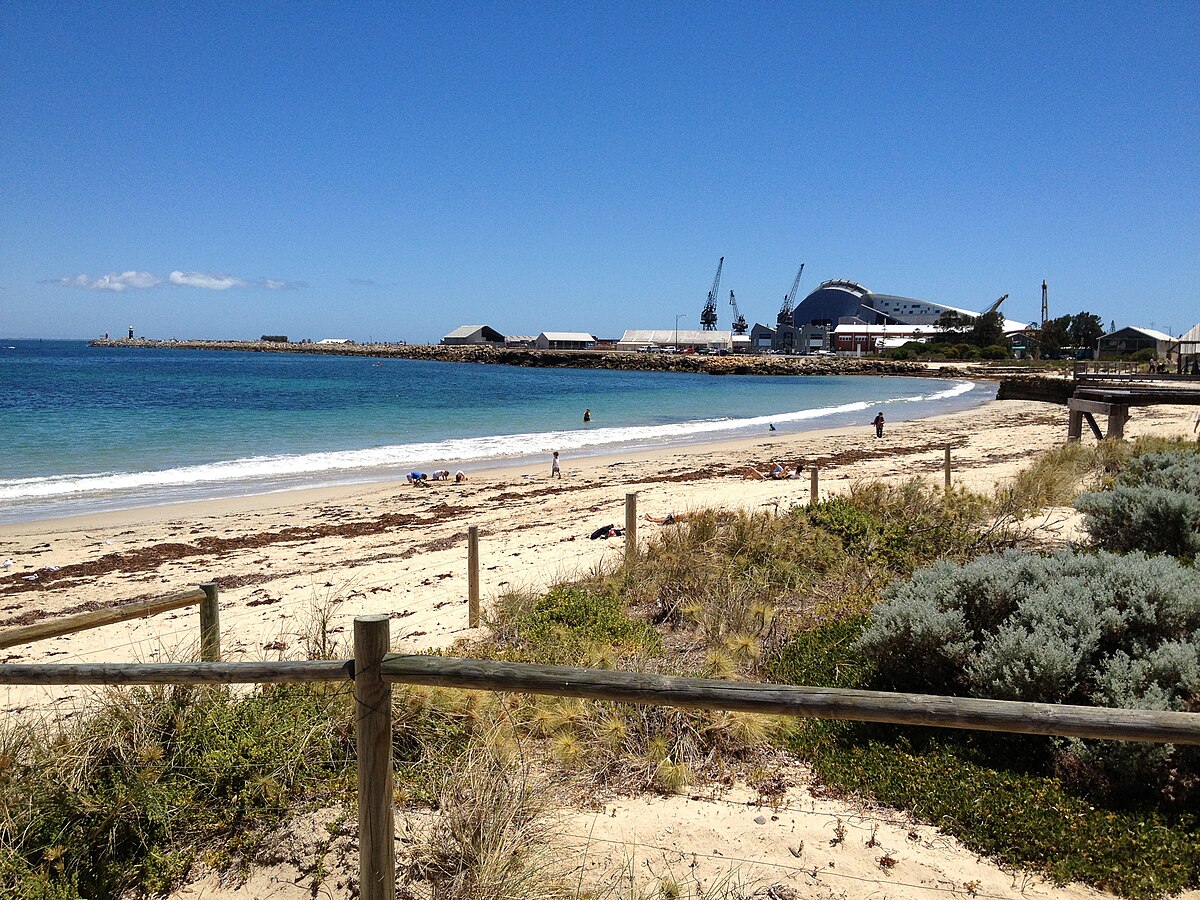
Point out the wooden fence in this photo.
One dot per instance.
(204, 596)
(374, 670)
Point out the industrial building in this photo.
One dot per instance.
(678, 338)
(474, 334)
(1129, 340)
(846, 317)
(565, 340)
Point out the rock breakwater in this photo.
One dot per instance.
(579, 359)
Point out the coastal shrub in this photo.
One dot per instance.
(1150, 519)
(1154, 506)
(995, 351)
(1016, 625)
(570, 625)
(901, 526)
(1103, 630)
(131, 795)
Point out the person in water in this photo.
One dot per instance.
(587, 415)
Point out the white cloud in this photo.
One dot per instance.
(113, 281)
(213, 281)
(209, 280)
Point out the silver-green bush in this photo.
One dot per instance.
(1101, 630)
(1069, 628)
(1154, 506)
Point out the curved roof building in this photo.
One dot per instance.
(835, 300)
(839, 299)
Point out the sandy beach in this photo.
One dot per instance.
(281, 559)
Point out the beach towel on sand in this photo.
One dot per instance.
(606, 532)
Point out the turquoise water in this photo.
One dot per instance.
(85, 429)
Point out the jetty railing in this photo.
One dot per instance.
(204, 596)
(373, 671)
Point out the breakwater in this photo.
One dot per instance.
(575, 359)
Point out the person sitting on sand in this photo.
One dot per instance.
(777, 473)
(460, 476)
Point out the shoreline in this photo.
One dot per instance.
(401, 550)
(359, 466)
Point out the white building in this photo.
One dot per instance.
(564, 340)
(682, 339)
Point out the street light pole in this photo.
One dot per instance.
(677, 318)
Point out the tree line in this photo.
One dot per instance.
(1065, 334)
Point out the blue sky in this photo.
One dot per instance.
(391, 171)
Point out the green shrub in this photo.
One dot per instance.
(127, 798)
(823, 656)
(901, 526)
(571, 624)
(1101, 630)
(1154, 506)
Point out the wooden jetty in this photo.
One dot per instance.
(1103, 390)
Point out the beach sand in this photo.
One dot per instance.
(282, 560)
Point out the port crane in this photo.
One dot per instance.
(739, 321)
(995, 306)
(785, 311)
(708, 315)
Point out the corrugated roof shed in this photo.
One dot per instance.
(670, 336)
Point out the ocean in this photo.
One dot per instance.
(88, 429)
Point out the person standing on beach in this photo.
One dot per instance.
(555, 471)
(878, 423)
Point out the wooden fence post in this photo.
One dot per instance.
(947, 467)
(473, 576)
(814, 492)
(373, 734)
(210, 624)
(630, 526)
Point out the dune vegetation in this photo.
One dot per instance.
(892, 586)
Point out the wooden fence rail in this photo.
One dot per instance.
(281, 672)
(203, 596)
(376, 670)
(815, 702)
